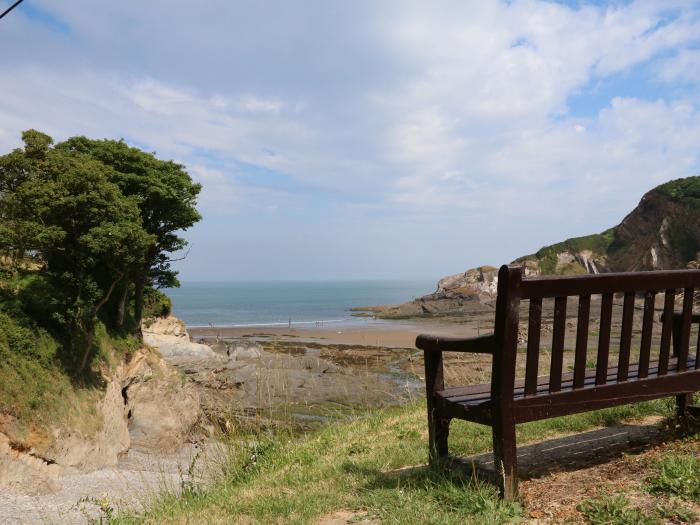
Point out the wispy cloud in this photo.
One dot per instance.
(372, 129)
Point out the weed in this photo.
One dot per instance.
(614, 509)
(677, 513)
(677, 475)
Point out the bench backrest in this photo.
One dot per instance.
(514, 288)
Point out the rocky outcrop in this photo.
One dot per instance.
(169, 336)
(146, 405)
(662, 232)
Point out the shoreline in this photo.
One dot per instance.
(389, 334)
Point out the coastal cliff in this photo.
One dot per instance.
(661, 233)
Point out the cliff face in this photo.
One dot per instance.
(662, 232)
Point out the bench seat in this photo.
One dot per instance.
(473, 402)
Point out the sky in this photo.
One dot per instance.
(371, 140)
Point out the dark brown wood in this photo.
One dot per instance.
(684, 337)
(555, 286)
(507, 402)
(533, 346)
(473, 394)
(614, 394)
(666, 331)
(606, 305)
(647, 332)
(584, 310)
(697, 351)
(626, 336)
(558, 333)
(483, 344)
(438, 424)
(503, 379)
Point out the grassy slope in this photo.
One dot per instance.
(546, 257)
(282, 479)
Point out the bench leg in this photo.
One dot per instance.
(683, 401)
(438, 425)
(438, 431)
(505, 459)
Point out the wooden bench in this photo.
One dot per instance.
(506, 401)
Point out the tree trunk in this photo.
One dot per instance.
(121, 307)
(139, 287)
(89, 338)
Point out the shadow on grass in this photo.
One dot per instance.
(567, 453)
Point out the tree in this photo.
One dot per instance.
(99, 221)
(166, 197)
(87, 234)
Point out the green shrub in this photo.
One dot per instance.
(156, 304)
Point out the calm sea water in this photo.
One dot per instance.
(275, 303)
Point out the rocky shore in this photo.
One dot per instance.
(164, 408)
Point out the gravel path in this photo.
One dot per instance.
(135, 481)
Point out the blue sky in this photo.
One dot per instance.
(372, 139)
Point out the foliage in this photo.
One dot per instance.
(165, 195)
(677, 513)
(614, 510)
(686, 190)
(677, 475)
(156, 304)
(547, 256)
(87, 228)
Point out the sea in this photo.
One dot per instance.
(279, 303)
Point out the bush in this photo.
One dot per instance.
(156, 303)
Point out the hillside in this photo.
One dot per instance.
(86, 232)
(662, 232)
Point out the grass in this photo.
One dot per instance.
(370, 465)
(677, 475)
(614, 509)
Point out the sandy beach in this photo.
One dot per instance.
(388, 334)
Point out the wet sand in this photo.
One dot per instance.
(387, 334)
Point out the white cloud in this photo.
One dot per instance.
(438, 116)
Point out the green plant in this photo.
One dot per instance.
(677, 475)
(156, 303)
(614, 509)
(677, 513)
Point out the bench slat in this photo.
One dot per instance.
(697, 350)
(604, 338)
(595, 398)
(666, 331)
(555, 286)
(480, 393)
(558, 333)
(584, 310)
(685, 328)
(625, 337)
(533, 346)
(647, 332)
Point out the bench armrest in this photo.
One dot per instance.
(483, 344)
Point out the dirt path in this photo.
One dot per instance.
(132, 484)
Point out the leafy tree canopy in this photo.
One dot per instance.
(96, 222)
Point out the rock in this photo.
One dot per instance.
(169, 336)
(161, 407)
(26, 473)
(243, 353)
